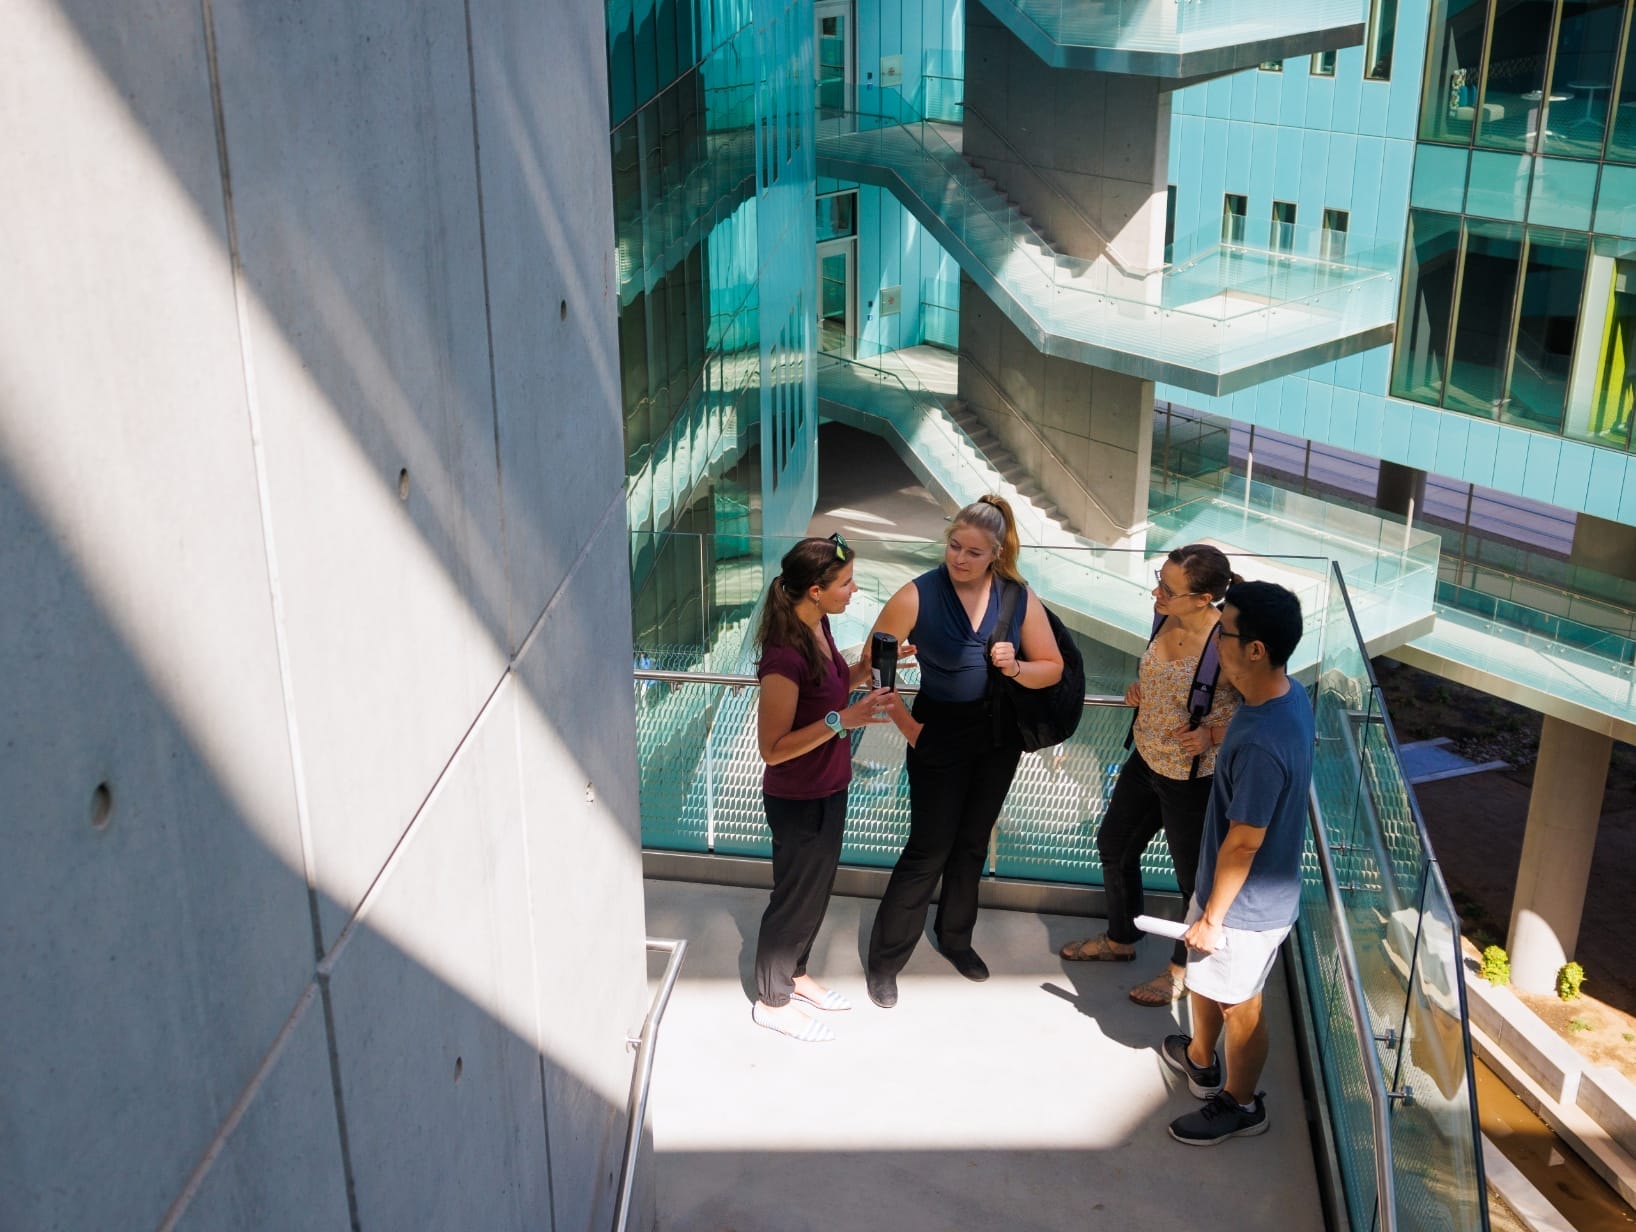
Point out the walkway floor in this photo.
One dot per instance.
(1035, 1102)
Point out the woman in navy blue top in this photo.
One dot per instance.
(959, 769)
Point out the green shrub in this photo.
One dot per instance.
(1496, 968)
(1568, 980)
(1579, 1024)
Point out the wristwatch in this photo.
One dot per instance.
(832, 720)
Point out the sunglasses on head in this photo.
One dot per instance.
(841, 550)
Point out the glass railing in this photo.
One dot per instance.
(1192, 25)
(1217, 308)
(1498, 611)
(1390, 900)
(1380, 968)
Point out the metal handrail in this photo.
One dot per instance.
(1385, 1187)
(751, 682)
(1109, 247)
(636, 1108)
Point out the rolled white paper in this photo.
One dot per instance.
(1160, 928)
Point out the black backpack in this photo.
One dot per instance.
(1040, 717)
(1201, 694)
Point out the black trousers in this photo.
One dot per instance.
(1144, 801)
(958, 779)
(806, 853)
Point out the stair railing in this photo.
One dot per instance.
(1114, 529)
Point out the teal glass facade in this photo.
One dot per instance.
(713, 182)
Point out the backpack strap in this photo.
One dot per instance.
(1010, 593)
(1201, 694)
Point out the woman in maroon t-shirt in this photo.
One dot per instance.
(801, 726)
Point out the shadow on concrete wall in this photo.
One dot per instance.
(320, 952)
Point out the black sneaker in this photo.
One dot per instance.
(1203, 1081)
(1218, 1120)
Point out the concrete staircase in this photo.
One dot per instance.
(1017, 477)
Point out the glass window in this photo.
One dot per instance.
(1271, 66)
(1377, 43)
(1332, 246)
(1449, 100)
(837, 216)
(1482, 325)
(1170, 216)
(1518, 111)
(1281, 238)
(1586, 43)
(1622, 141)
(1547, 320)
(1234, 207)
(1323, 64)
(1603, 390)
(1420, 355)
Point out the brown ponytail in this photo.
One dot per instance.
(1207, 570)
(812, 562)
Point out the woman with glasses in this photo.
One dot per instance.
(801, 724)
(1166, 782)
(959, 767)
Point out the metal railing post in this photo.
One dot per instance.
(636, 1108)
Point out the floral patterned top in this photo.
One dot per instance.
(1164, 708)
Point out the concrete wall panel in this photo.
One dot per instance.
(153, 940)
(281, 1165)
(434, 1023)
(579, 792)
(550, 251)
(355, 192)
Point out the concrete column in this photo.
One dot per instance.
(1556, 851)
(1086, 434)
(1400, 489)
(1609, 547)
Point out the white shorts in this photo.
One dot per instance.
(1238, 970)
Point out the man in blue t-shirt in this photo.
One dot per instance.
(1249, 881)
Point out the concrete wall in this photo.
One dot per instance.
(1099, 424)
(322, 897)
(1084, 154)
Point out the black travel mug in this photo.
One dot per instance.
(883, 660)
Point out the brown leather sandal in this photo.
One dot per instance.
(1164, 989)
(1095, 949)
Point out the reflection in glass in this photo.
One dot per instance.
(837, 216)
(1377, 47)
(1420, 358)
(833, 52)
(1517, 112)
(1233, 209)
(1449, 101)
(1622, 140)
(1587, 41)
(1482, 328)
(1281, 238)
(1333, 240)
(1553, 277)
(1603, 392)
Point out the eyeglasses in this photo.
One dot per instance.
(1237, 637)
(841, 550)
(1159, 577)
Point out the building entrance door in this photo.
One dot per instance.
(837, 297)
(836, 69)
